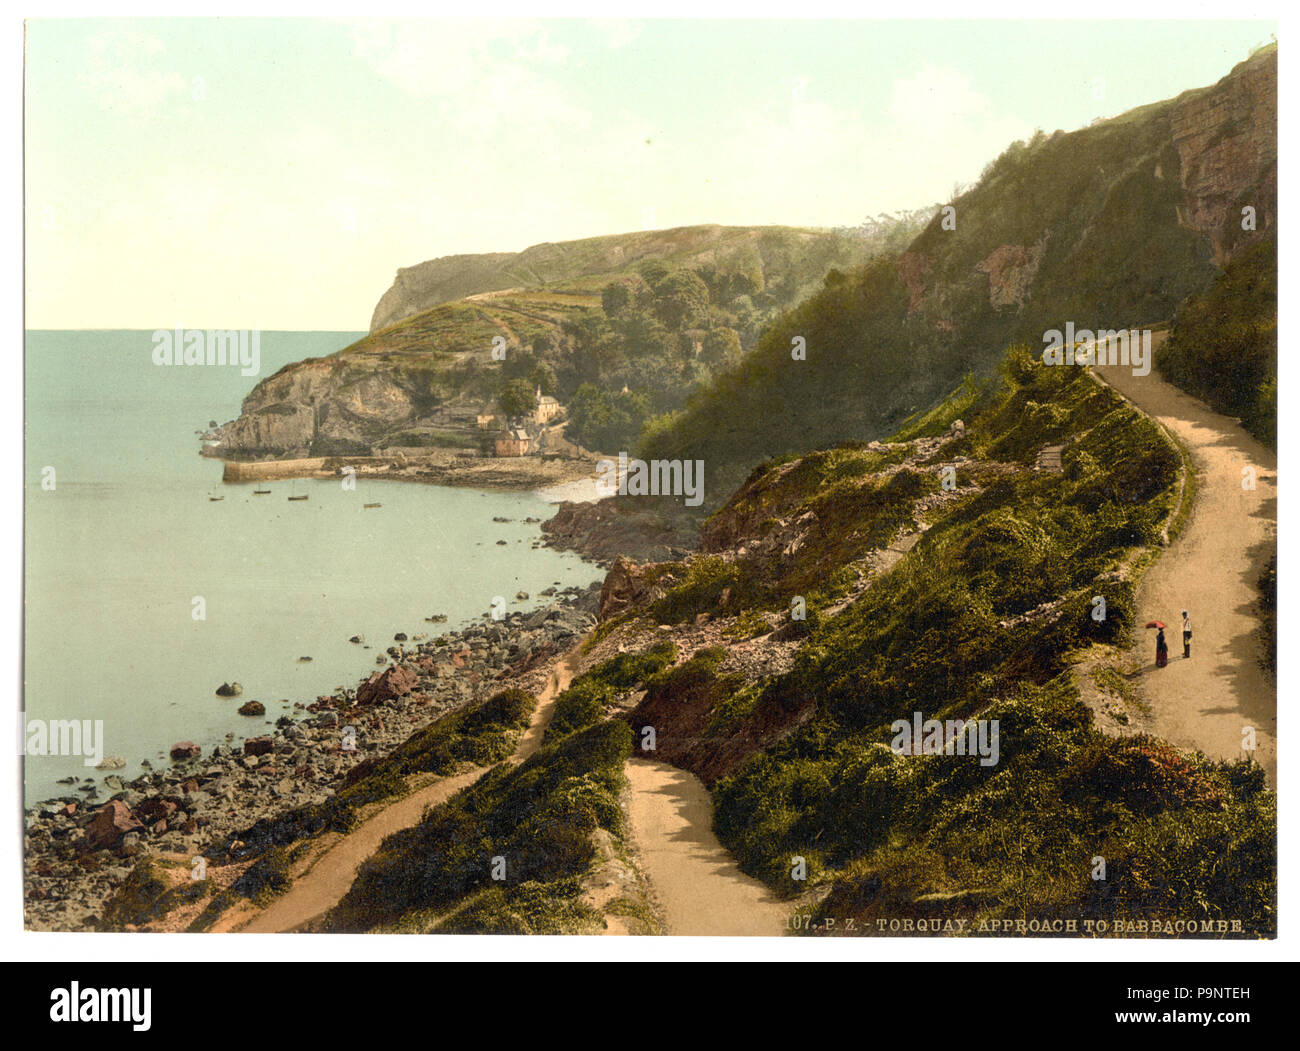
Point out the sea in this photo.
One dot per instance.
(143, 594)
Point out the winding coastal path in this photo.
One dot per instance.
(1210, 570)
(696, 885)
(323, 885)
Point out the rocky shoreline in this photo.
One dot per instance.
(77, 855)
(632, 527)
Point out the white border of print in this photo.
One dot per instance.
(19, 944)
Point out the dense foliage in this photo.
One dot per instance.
(538, 818)
(1223, 347)
(981, 621)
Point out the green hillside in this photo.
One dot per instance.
(1111, 226)
(989, 616)
(619, 329)
(1223, 345)
(758, 250)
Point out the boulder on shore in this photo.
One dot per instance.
(229, 689)
(396, 681)
(258, 746)
(111, 822)
(252, 708)
(185, 750)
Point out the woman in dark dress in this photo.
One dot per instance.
(1162, 649)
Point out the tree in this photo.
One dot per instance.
(615, 299)
(600, 421)
(517, 398)
(681, 300)
(721, 348)
(653, 271)
(643, 336)
(622, 297)
(543, 377)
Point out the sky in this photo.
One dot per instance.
(275, 173)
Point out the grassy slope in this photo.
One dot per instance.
(983, 619)
(538, 817)
(959, 629)
(572, 281)
(445, 355)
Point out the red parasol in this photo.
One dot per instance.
(1156, 624)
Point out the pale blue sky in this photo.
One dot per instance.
(275, 173)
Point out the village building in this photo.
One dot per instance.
(547, 408)
(514, 442)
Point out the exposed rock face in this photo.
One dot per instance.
(424, 374)
(1226, 139)
(911, 271)
(616, 526)
(321, 408)
(384, 685)
(427, 284)
(679, 713)
(386, 393)
(629, 584)
(1011, 270)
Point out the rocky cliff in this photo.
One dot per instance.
(1113, 225)
(437, 357)
(1226, 139)
(323, 407)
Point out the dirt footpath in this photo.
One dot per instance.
(1211, 571)
(323, 885)
(696, 884)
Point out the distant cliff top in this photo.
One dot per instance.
(426, 285)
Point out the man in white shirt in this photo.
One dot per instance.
(1187, 635)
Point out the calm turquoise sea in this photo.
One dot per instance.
(126, 540)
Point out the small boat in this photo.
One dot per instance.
(372, 505)
(214, 499)
(261, 492)
(297, 498)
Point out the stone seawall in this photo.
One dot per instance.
(273, 469)
(433, 467)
